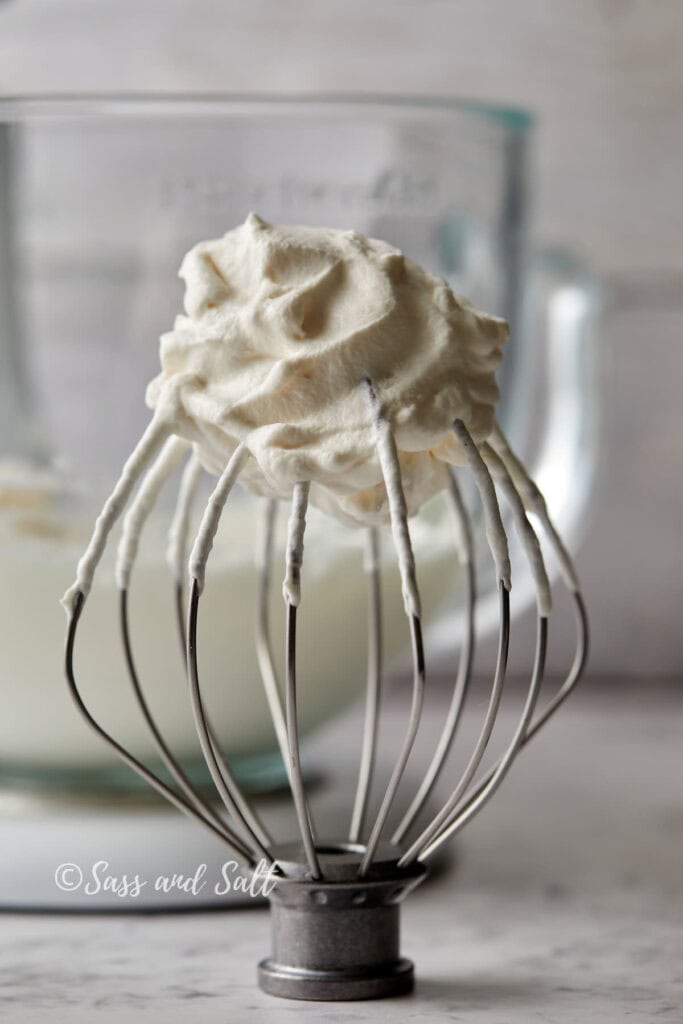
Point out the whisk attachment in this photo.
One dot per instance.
(316, 365)
(336, 901)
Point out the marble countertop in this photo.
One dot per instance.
(564, 903)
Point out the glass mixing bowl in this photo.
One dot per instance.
(99, 200)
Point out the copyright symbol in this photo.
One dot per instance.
(68, 877)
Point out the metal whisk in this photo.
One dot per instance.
(335, 904)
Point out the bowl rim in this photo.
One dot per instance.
(27, 107)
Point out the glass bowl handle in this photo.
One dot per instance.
(568, 303)
(561, 415)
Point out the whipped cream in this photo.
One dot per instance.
(284, 326)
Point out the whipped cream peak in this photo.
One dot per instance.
(283, 325)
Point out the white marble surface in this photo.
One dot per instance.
(566, 904)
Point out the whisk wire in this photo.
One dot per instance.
(372, 688)
(225, 784)
(222, 832)
(465, 815)
(156, 433)
(498, 545)
(409, 739)
(181, 623)
(165, 753)
(525, 531)
(264, 653)
(519, 491)
(481, 745)
(176, 551)
(142, 503)
(464, 672)
(391, 473)
(292, 594)
(573, 676)
(447, 821)
(534, 501)
(134, 522)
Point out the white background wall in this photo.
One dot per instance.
(606, 79)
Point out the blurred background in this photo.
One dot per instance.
(604, 78)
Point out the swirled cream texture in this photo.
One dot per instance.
(282, 328)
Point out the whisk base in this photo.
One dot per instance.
(337, 937)
(393, 979)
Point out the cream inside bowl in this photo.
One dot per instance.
(42, 539)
